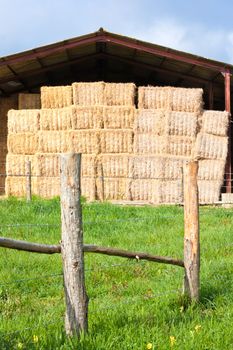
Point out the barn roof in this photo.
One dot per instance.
(111, 57)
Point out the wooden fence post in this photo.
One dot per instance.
(76, 318)
(191, 231)
(28, 181)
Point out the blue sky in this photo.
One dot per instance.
(201, 27)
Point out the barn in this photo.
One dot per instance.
(111, 58)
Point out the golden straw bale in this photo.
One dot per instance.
(181, 123)
(118, 117)
(54, 141)
(180, 145)
(187, 100)
(24, 120)
(170, 98)
(56, 96)
(16, 164)
(113, 165)
(154, 97)
(171, 191)
(173, 167)
(215, 122)
(119, 94)
(147, 167)
(209, 191)
(211, 169)
(48, 164)
(25, 143)
(85, 141)
(88, 188)
(116, 141)
(150, 120)
(149, 143)
(113, 188)
(87, 117)
(145, 190)
(16, 186)
(48, 187)
(29, 101)
(56, 119)
(88, 165)
(210, 146)
(88, 94)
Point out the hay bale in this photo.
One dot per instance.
(187, 100)
(149, 143)
(215, 122)
(16, 186)
(54, 142)
(87, 117)
(88, 166)
(25, 143)
(170, 98)
(211, 169)
(150, 120)
(171, 192)
(16, 164)
(116, 141)
(88, 94)
(173, 167)
(181, 123)
(23, 121)
(85, 141)
(119, 94)
(180, 145)
(154, 97)
(56, 96)
(48, 187)
(210, 146)
(113, 165)
(209, 191)
(113, 188)
(118, 117)
(56, 119)
(145, 190)
(48, 164)
(88, 188)
(29, 101)
(147, 167)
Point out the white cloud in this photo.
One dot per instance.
(195, 38)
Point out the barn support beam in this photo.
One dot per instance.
(227, 77)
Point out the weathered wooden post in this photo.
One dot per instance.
(191, 231)
(76, 318)
(28, 181)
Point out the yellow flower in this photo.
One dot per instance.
(35, 339)
(20, 345)
(197, 328)
(149, 346)
(181, 309)
(172, 340)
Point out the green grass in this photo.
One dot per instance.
(131, 303)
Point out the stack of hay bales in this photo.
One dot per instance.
(211, 150)
(128, 153)
(23, 127)
(164, 136)
(6, 103)
(53, 139)
(104, 116)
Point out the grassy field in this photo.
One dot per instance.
(133, 305)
